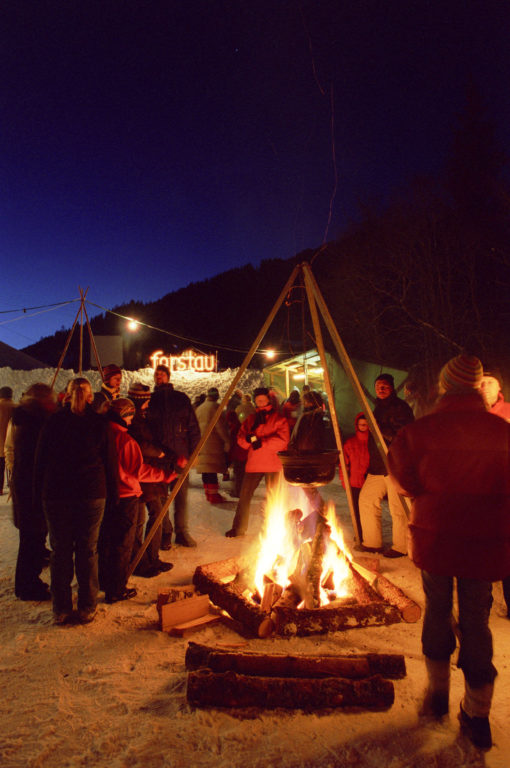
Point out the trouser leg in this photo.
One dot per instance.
(371, 495)
(87, 525)
(121, 533)
(475, 655)
(2, 473)
(242, 515)
(154, 507)
(355, 503)
(59, 516)
(398, 517)
(30, 559)
(437, 637)
(181, 508)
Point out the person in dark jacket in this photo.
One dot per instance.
(391, 413)
(6, 408)
(28, 419)
(154, 494)
(74, 473)
(455, 464)
(110, 388)
(174, 424)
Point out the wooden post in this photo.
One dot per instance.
(332, 406)
(351, 373)
(212, 423)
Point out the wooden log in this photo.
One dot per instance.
(361, 589)
(312, 596)
(229, 597)
(409, 610)
(189, 627)
(228, 689)
(289, 622)
(352, 666)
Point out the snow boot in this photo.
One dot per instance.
(215, 496)
(474, 714)
(435, 702)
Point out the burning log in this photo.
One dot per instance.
(288, 621)
(312, 595)
(229, 596)
(228, 689)
(353, 666)
(409, 610)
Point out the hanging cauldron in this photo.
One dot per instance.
(309, 468)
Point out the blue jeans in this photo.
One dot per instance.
(74, 530)
(438, 638)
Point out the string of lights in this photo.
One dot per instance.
(175, 335)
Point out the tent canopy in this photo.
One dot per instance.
(294, 372)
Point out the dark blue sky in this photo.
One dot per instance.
(147, 144)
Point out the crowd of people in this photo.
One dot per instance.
(93, 472)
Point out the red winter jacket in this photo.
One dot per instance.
(455, 462)
(131, 467)
(274, 436)
(356, 456)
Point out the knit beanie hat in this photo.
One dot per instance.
(461, 372)
(111, 370)
(261, 391)
(123, 406)
(213, 393)
(139, 393)
(386, 377)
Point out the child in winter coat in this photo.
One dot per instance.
(356, 460)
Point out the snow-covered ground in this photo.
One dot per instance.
(113, 693)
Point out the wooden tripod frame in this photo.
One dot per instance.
(315, 299)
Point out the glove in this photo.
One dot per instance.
(254, 441)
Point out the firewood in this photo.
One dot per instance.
(229, 597)
(183, 610)
(409, 610)
(313, 575)
(228, 689)
(289, 622)
(172, 594)
(352, 666)
(189, 627)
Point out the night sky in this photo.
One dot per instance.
(146, 144)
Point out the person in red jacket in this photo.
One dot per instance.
(121, 516)
(262, 434)
(357, 460)
(455, 464)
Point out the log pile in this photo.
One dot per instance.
(225, 678)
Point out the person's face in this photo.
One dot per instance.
(160, 377)
(490, 390)
(261, 402)
(114, 382)
(362, 425)
(383, 389)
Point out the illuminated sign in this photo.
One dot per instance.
(189, 360)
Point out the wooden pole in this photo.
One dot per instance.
(329, 391)
(351, 373)
(212, 423)
(93, 343)
(80, 356)
(68, 341)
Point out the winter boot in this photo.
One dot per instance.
(207, 489)
(214, 496)
(435, 702)
(474, 714)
